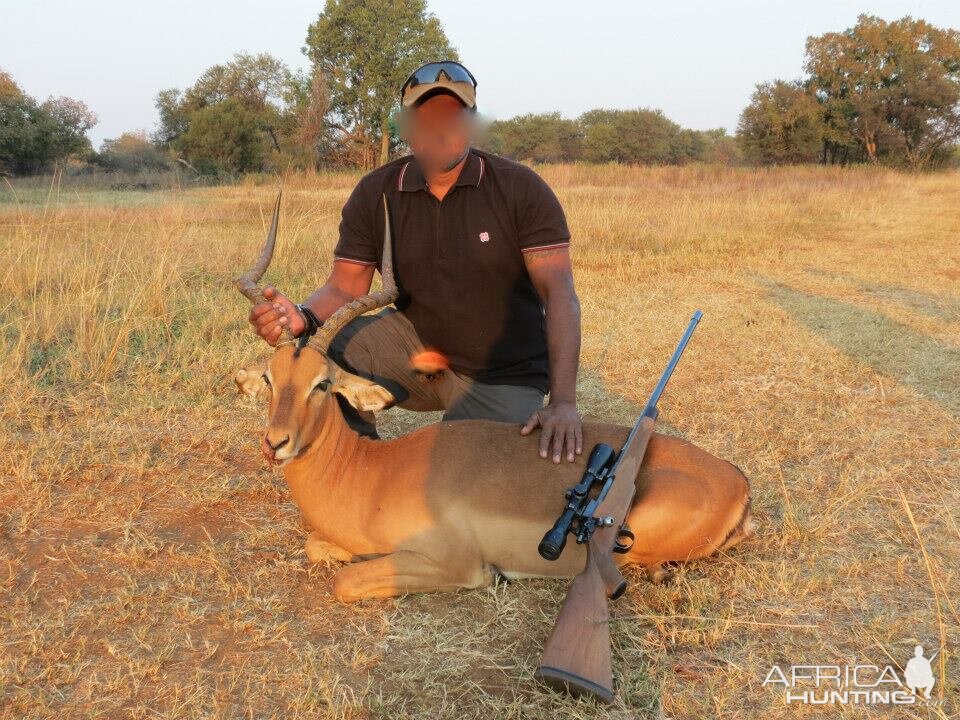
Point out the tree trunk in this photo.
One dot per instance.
(870, 143)
(384, 138)
(273, 136)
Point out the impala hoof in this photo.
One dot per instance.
(659, 574)
(498, 575)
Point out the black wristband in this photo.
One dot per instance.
(313, 322)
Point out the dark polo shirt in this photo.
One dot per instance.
(459, 263)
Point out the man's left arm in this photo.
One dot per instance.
(561, 428)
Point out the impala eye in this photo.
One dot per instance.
(265, 379)
(322, 385)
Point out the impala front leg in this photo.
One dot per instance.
(401, 572)
(319, 549)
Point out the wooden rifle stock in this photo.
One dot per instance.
(576, 657)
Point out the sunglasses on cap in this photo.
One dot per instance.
(433, 72)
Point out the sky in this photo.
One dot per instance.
(697, 60)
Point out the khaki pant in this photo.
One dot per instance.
(379, 347)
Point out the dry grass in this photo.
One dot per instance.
(151, 565)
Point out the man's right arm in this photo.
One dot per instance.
(347, 280)
(352, 274)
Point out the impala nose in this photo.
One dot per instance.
(270, 446)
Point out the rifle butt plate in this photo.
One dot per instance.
(564, 681)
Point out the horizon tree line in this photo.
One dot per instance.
(880, 92)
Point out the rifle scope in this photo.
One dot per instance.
(598, 464)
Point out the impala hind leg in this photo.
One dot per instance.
(744, 529)
(401, 572)
(659, 573)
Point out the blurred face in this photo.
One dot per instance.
(438, 131)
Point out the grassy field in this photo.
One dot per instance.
(152, 564)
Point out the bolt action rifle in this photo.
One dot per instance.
(576, 656)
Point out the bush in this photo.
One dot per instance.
(131, 153)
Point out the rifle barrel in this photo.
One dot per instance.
(651, 408)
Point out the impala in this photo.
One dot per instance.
(457, 504)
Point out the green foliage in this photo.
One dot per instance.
(893, 87)
(236, 117)
(538, 138)
(252, 113)
(366, 49)
(71, 119)
(782, 124)
(131, 153)
(603, 135)
(224, 136)
(719, 148)
(885, 91)
(25, 134)
(8, 87)
(948, 157)
(174, 117)
(35, 135)
(636, 136)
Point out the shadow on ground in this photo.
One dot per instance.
(928, 365)
(945, 309)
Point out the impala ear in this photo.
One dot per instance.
(363, 394)
(250, 382)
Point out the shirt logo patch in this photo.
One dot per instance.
(484, 236)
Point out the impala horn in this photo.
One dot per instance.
(371, 301)
(247, 283)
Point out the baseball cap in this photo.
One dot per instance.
(442, 76)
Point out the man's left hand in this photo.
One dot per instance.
(561, 429)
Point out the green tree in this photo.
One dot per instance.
(632, 136)
(8, 87)
(224, 136)
(35, 135)
(174, 117)
(71, 119)
(310, 137)
(895, 82)
(546, 137)
(132, 152)
(719, 148)
(25, 132)
(685, 146)
(366, 49)
(782, 124)
(259, 91)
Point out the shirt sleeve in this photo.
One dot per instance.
(542, 223)
(357, 243)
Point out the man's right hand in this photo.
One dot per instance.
(270, 317)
